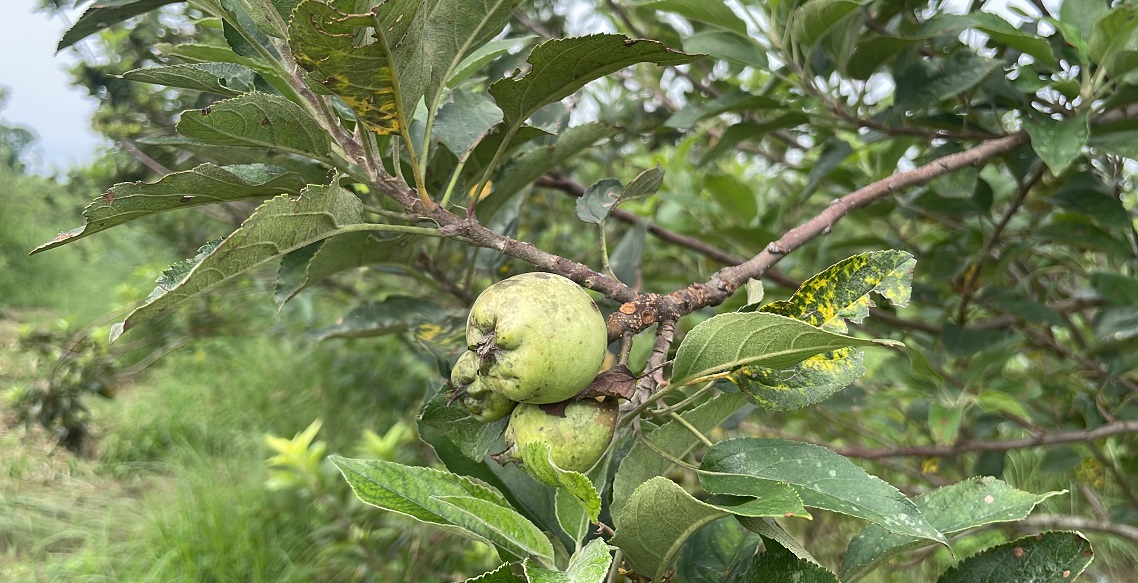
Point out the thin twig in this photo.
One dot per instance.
(1080, 523)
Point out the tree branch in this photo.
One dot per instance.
(1043, 439)
(1080, 523)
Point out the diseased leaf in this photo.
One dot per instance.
(502, 574)
(220, 78)
(560, 67)
(205, 184)
(823, 478)
(277, 227)
(589, 565)
(1050, 557)
(732, 340)
(806, 383)
(1058, 143)
(257, 120)
(950, 509)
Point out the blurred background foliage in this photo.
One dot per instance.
(1023, 312)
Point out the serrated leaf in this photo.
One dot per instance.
(1058, 143)
(455, 30)
(101, 15)
(463, 121)
(950, 509)
(257, 120)
(538, 459)
(471, 436)
(446, 500)
(814, 18)
(221, 78)
(205, 184)
(599, 200)
(770, 530)
(310, 264)
(393, 315)
(589, 565)
(486, 53)
(277, 227)
(1050, 557)
(806, 383)
(559, 67)
(842, 290)
(380, 73)
(736, 339)
(823, 478)
(642, 464)
(502, 574)
(778, 565)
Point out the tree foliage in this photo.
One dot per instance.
(975, 170)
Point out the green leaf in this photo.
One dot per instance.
(102, 15)
(729, 46)
(598, 201)
(714, 551)
(1114, 31)
(220, 78)
(588, 565)
(1077, 20)
(642, 464)
(950, 509)
(1079, 232)
(778, 565)
(814, 18)
(524, 169)
(464, 120)
(998, 29)
(713, 12)
(806, 383)
(449, 501)
(257, 120)
(823, 478)
(205, 184)
(1086, 194)
(560, 67)
(944, 422)
(625, 259)
(277, 227)
(842, 290)
(770, 530)
(381, 74)
(1058, 143)
(1123, 144)
(310, 264)
(502, 574)
(735, 101)
(472, 437)
(538, 460)
(393, 315)
(1115, 289)
(645, 184)
(486, 53)
(455, 29)
(922, 83)
(746, 131)
(1050, 557)
(732, 340)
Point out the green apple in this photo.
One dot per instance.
(576, 441)
(472, 393)
(538, 337)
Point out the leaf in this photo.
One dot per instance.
(102, 15)
(380, 74)
(1123, 144)
(842, 290)
(645, 184)
(464, 120)
(205, 184)
(625, 258)
(1050, 557)
(642, 464)
(998, 30)
(778, 565)
(257, 120)
(588, 565)
(713, 12)
(524, 169)
(598, 201)
(714, 551)
(455, 30)
(220, 78)
(1058, 144)
(485, 54)
(735, 101)
(770, 530)
(814, 18)
(923, 83)
(393, 315)
(472, 437)
(1086, 194)
(560, 67)
(275, 228)
(736, 339)
(537, 457)
(823, 478)
(950, 509)
(1077, 19)
(806, 383)
(449, 501)
(1114, 31)
(502, 574)
(308, 265)
(746, 131)
(727, 45)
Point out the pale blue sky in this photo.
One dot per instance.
(39, 95)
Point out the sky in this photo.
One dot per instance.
(40, 97)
